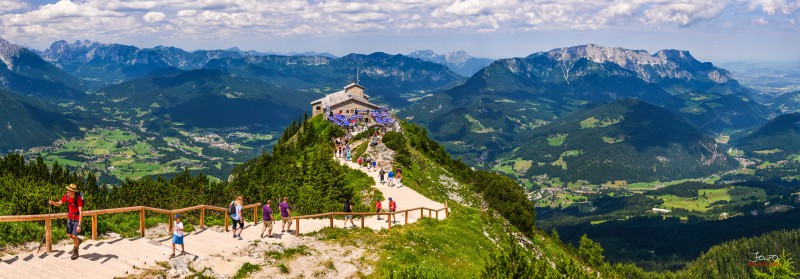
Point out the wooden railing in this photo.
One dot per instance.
(47, 218)
(389, 216)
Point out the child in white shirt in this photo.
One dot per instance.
(177, 235)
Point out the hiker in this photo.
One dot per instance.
(177, 235)
(392, 208)
(74, 201)
(378, 206)
(348, 154)
(398, 175)
(360, 161)
(369, 163)
(374, 164)
(266, 215)
(236, 216)
(381, 173)
(348, 207)
(391, 177)
(286, 215)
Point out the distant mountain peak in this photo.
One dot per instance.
(8, 52)
(664, 64)
(458, 61)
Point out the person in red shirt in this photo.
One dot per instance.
(392, 208)
(74, 201)
(378, 207)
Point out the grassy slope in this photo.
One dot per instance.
(453, 248)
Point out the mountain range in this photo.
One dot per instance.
(476, 117)
(459, 62)
(23, 71)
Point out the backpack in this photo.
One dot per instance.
(346, 207)
(232, 208)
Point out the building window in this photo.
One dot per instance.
(319, 108)
(340, 111)
(347, 111)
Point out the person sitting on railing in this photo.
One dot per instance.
(286, 214)
(237, 217)
(74, 201)
(177, 235)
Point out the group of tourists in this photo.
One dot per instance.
(393, 177)
(342, 148)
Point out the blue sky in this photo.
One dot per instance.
(718, 31)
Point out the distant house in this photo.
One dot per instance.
(661, 210)
(346, 102)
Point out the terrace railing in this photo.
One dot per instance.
(48, 218)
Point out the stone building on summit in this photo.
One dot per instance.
(346, 102)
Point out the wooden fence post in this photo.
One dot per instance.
(141, 222)
(389, 218)
(226, 221)
(255, 215)
(297, 228)
(421, 213)
(437, 215)
(446, 210)
(406, 217)
(94, 227)
(331, 221)
(430, 213)
(170, 223)
(48, 238)
(202, 217)
(362, 220)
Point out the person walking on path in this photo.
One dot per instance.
(237, 217)
(266, 215)
(381, 173)
(74, 201)
(392, 209)
(378, 206)
(374, 165)
(177, 235)
(398, 175)
(360, 161)
(286, 215)
(348, 207)
(391, 178)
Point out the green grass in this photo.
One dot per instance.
(610, 140)
(245, 270)
(593, 122)
(289, 253)
(283, 268)
(767, 152)
(556, 140)
(706, 197)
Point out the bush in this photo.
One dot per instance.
(394, 141)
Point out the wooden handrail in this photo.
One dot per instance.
(92, 214)
(142, 209)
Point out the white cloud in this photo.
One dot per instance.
(152, 17)
(11, 5)
(266, 18)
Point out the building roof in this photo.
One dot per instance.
(353, 84)
(341, 97)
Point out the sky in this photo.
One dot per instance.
(719, 31)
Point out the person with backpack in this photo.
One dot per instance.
(382, 173)
(177, 235)
(374, 165)
(266, 215)
(360, 162)
(398, 175)
(378, 206)
(286, 215)
(392, 208)
(75, 203)
(348, 207)
(391, 178)
(235, 211)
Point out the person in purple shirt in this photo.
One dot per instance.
(268, 220)
(286, 215)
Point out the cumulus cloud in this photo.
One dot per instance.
(152, 17)
(11, 5)
(265, 18)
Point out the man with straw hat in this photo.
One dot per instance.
(74, 201)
